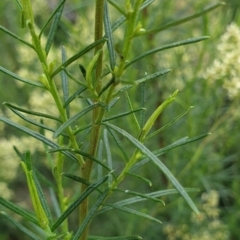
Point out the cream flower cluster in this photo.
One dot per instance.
(206, 226)
(226, 67)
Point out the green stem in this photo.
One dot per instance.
(98, 35)
(98, 114)
(132, 16)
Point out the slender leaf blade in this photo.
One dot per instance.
(159, 152)
(78, 55)
(123, 114)
(39, 114)
(109, 155)
(76, 178)
(73, 119)
(76, 203)
(120, 145)
(108, 33)
(169, 124)
(153, 76)
(169, 46)
(185, 19)
(24, 80)
(18, 210)
(57, 16)
(91, 214)
(72, 97)
(65, 82)
(144, 150)
(134, 200)
(60, 5)
(134, 212)
(20, 227)
(42, 198)
(140, 177)
(43, 126)
(15, 36)
(37, 136)
(82, 154)
(142, 195)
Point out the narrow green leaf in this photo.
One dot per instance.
(83, 84)
(150, 122)
(15, 76)
(76, 178)
(180, 142)
(100, 157)
(112, 103)
(123, 114)
(105, 87)
(16, 37)
(141, 195)
(73, 119)
(65, 83)
(134, 200)
(91, 214)
(120, 145)
(140, 177)
(144, 150)
(20, 227)
(19, 4)
(90, 68)
(77, 202)
(60, 5)
(161, 151)
(57, 16)
(183, 20)
(34, 194)
(37, 136)
(55, 202)
(20, 155)
(118, 23)
(143, 102)
(169, 46)
(78, 55)
(135, 120)
(27, 161)
(44, 115)
(18, 210)
(82, 154)
(108, 33)
(42, 198)
(50, 159)
(152, 76)
(88, 127)
(123, 89)
(133, 237)
(83, 70)
(117, 7)
(75, 95)
(109, 155)
(122, 19)
(34, 122)
(146, 4)
(169, 124)
(134, 212)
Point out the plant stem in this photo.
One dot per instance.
(98, 114)
(132, 16)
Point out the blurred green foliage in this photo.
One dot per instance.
(209, 164)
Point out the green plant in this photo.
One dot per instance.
(83, 141)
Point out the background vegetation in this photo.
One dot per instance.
(207, 75)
